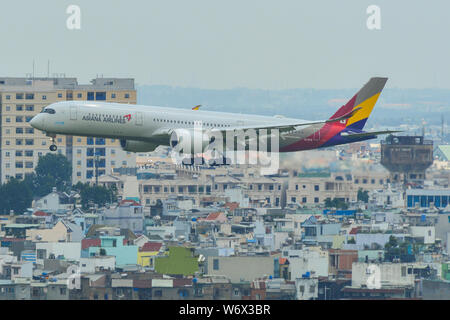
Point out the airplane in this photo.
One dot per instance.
(143, 128)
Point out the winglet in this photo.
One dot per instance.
(197, 107)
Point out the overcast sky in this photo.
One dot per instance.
(231, 43)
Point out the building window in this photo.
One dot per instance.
(29, 96)
(19, 119)
(8, 97)
(100, 141)
(90, 95)
(216, 264)
(19, 164)
(8, 108)
(100, 152)
(28, 118)
(19, 107)
(59, 95)
(44, 97)
(79, 95)
(113, 95)
(29, 130)
(19, 142)
(28, 165)
(316, 187)
(127, 95)
(90, 152)
(100, 96)
(29, 108)
(90, 141)
(19, 153)
(29, 142)
(19, 96)
(19, 130)
(316, 200)
(8, 119)
(28, 153)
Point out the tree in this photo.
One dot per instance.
(15, 195)
(337, 203)
(52, 170)
(97, 194)
(363, 195)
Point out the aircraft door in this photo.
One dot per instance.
(139, 119)
(73, 112)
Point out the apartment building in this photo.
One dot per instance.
(21, 145)
(315, 188)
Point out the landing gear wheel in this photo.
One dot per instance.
(53, 147)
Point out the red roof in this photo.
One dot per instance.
(213, 216)
(231, 205)
(41, 214)
(130, 202)
(282, 260)
(142, 283)
(182, 282)
(151, 247)
(354, 230)
(87, 243)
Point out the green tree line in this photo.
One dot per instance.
(52, 170)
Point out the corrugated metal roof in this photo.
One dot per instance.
(162, 283)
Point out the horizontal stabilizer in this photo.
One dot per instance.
(366, 134)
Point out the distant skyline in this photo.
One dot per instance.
(257, 44)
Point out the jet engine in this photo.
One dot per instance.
(183, 140)
(138, 146)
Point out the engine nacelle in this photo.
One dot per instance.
(138, 146)
(183, 141)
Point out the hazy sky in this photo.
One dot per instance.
(233, 43)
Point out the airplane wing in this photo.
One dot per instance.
(366, 134)
(290, 126)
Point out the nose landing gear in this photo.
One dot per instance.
(53, 146)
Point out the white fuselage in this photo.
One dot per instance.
(141, 123)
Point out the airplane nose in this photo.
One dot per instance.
(37, 122)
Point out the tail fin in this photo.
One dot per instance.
(364, 100)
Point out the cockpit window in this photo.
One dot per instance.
(49, 110)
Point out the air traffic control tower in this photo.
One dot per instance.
(407, 157)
